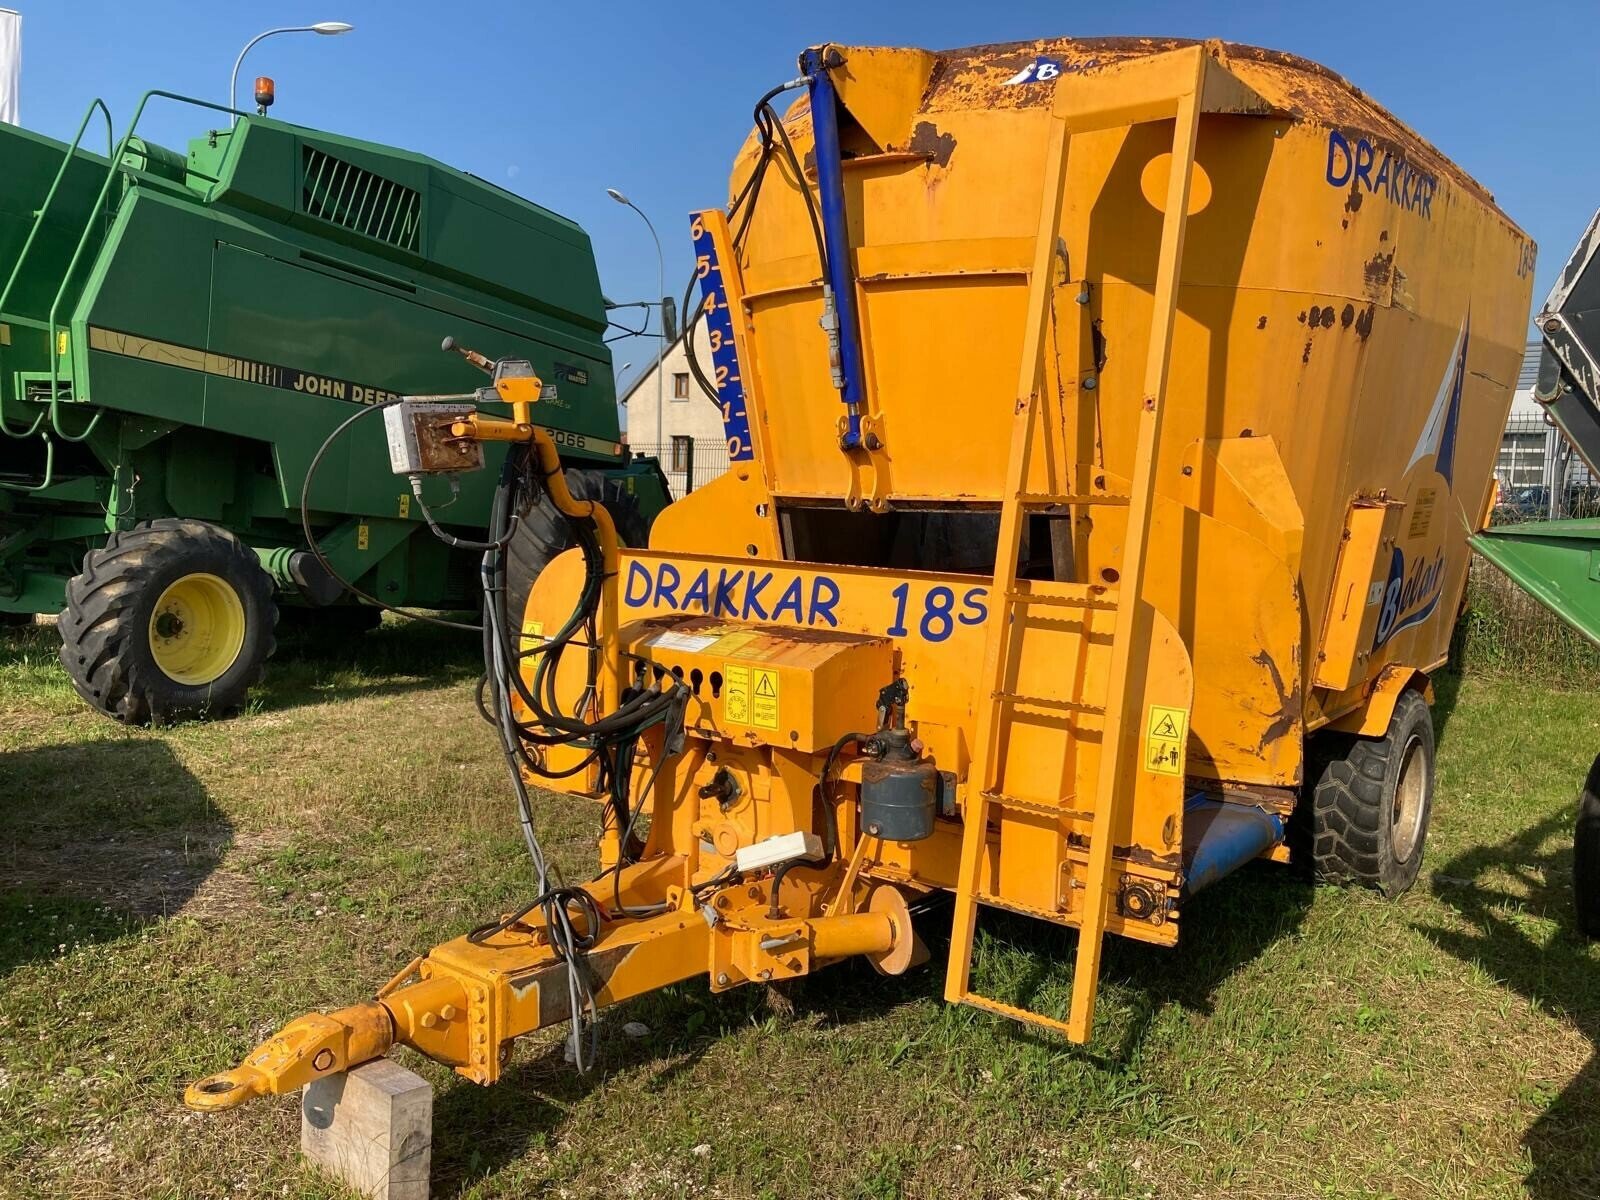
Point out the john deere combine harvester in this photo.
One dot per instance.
(1104, 537)
(178, 335)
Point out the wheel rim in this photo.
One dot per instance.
(197, 629)
(1410, 796)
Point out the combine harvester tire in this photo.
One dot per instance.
(171, 619)
(545, 533)
(1586, 855)
(1372, 800)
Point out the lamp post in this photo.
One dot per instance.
(326, 28)
(661, 327)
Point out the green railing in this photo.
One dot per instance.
(98, 210)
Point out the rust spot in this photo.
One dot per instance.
(1364, 322)
(1261, 322)
(1353, 201)
(1305, 355)
(926, 139)
(1378, 268)
(1288, 714)
(1145, 858)
(1327, 317)
(1347, 316)
(1344, 222)
(1383, 235)
(1302, 317)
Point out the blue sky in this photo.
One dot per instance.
(559, 102)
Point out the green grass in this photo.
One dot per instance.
(168, 898)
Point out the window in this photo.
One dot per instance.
(682, 450)
(680, 385)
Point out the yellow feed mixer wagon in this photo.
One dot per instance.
(1107, 420)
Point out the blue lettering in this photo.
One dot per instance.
(823, 607)
(724, 596)
(637, 573)
(1364, 162)
(1380, 182)
(1427, 197)
(790, 600)
(1337, 145)
(699, 592)
(667, 592)
(752, 596)
(973, 609)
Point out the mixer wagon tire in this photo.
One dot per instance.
(1371, 801)
(545, 533)
(170, 619)
(1586, 856)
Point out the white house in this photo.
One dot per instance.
(691, 444)
(1535, 465)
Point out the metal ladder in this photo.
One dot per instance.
(1178, 87)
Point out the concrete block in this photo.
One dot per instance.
(372, 1127)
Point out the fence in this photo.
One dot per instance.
(1539, 475)
(688, 462)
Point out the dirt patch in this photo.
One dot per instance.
(194, 873)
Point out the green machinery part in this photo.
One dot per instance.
(1555, 562)
(179, 332)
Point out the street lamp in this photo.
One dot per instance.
(661, 326)
(326, 28)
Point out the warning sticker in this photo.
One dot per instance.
(736, 693)
(764, 698)
(1164, 740)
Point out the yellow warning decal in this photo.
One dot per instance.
(533, 631)
(361, 536)
(764, 698)
(1164, 740)
(736, 693)
(5, 335)
(405, 504)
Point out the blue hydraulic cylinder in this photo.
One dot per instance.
(845, 333)
(1219, 838)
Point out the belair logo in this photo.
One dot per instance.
(1409, 598)
(1411, 593)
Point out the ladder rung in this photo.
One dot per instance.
(1061, 601)
(1041, 807)
(1068, 499)
(1016, 1014)
(1046, 702)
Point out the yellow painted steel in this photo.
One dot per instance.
(196, 628)
(1199, 324)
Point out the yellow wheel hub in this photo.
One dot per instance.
(197, 629)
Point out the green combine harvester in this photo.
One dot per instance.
(180, 333)
(1558, 562)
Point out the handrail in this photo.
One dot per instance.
(38, 223)
(49, 467)
(105, 190)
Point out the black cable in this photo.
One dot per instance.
(316, 548)
(830, 820)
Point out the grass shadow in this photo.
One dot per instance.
(1508, 895)
(97, 839)
(316, 666)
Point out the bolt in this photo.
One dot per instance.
(448, 1012)
(722, 979)
(1552, 326)
(1188, 470)
(323, 1060)
(873, 443)
(428, 1020)
(1090, 383)
(765, 975)
(754, 893)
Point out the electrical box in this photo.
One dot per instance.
(420, 442)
